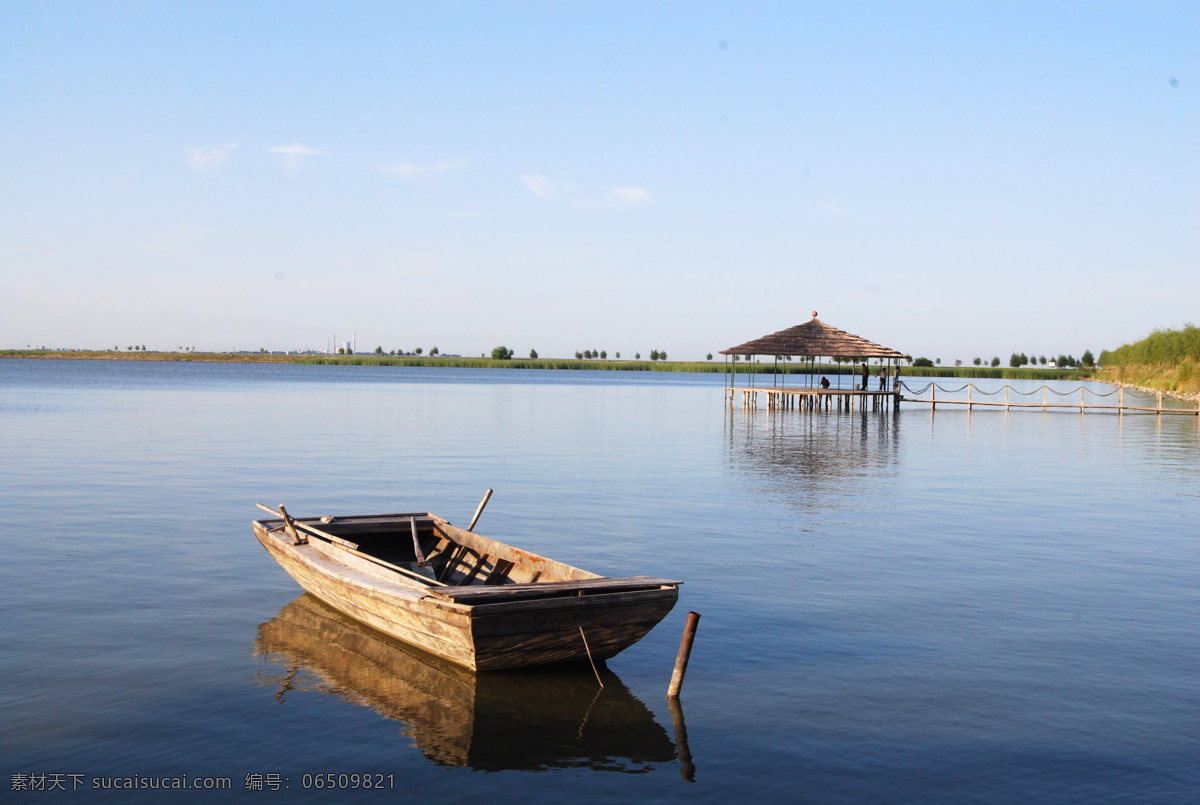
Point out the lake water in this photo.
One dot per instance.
(917, 607)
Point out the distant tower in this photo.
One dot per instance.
(354, 342)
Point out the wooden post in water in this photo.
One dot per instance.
(1120, 401)
(1159, 404)
(1043, 399)
(685, 652)
(1006, 398)
(1081, 402)
(970, 388)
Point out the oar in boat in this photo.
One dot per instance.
(412, 522)
(486, 497)
(283, 515)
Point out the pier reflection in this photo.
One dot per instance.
(533, 719)
(821, 450)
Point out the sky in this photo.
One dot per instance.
(948, 179)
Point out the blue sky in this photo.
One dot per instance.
(949, 179)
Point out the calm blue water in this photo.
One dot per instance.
(911, 608)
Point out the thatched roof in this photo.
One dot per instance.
(817, 339)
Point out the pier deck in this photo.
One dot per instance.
(801, 398)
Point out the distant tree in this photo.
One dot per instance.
(143, 347)
(578, 355)
(1061, 361)
(532, 354)
(378, 350)
(996, 360)
(637, 356)
(617, 355)
(978, 361)
(938, 361)
(341, 350)
(958, 361)
(392, 352)
(654, 354)
(417, 351)
(708, 357)
(1014, 361)
(433, 352)
(923, 362)
(501, 353)
(1088, 359)
(662, 356)
(603, 355)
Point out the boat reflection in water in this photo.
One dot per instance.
(531, 719)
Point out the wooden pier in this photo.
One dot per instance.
(811, 399)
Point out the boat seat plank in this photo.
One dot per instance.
(500, 592)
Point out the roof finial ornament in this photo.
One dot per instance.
(814, 314)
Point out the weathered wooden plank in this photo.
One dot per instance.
(546, 610)
(480, 561)
(555, 587)
(499, 571)
(479, 544)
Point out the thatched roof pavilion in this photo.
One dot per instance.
(815, 339)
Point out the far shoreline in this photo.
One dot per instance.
(577, 364)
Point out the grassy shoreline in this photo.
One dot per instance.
(698, 367)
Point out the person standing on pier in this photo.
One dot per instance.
(882, 379)
(866, 376)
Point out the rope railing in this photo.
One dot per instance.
(1005, 387)
(1086, 397)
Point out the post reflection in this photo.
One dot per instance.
(533, 719)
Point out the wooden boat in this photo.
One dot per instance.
(461, 596)
(535, 719)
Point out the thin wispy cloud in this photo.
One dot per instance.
(295, 150)
(615, 198)
(542, 186)
(409, 171)
(208, 160)
(630, 196)
(294, 154)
